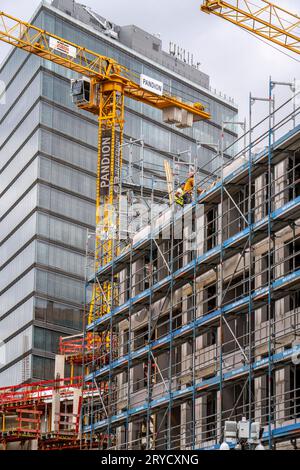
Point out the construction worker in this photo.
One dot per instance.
(189, 188)
(180, 195)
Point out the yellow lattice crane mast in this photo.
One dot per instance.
(260, 17)
(101, 90)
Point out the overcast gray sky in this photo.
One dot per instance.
(236, 61)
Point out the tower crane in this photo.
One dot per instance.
(260, 17)
(102, 89)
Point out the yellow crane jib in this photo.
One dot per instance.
(260, 17)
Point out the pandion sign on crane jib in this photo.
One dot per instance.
(62, 47)
(150, 84)
(109, 158)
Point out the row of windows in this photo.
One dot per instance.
(17, 373)
(61, 231)
(20, 135)
(42, 253)
(66, 150)
(58, 90)
(68, 124)
(17, 189)
(15, 87)
(18, 345)
(18, 213)
(17, 319)
(49, 227)
(68, 178)
(42, 310)
(25, 154)
(16, 113)
(43, 368)
(59, 26)
(59, 258)
(50, 199)
(59, 286)
(66, 205)
(18, 239)
(17, 292)
(46, 340)
(18, 265)
(47, 283)
(17, 57)
(60, 314)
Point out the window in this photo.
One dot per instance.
(295, 300)
(210, 422)
(293, 171)
(68, 178)
(209, 298)
(293, 252)
(70, 206)
(18, 239)
(210, 338)
(58, 314)
(191, 307)
(140, 337)
(125, 342)
(17, 292)
(69, 124)
(267, 267)
(21, 133)
(42, 368)
(46, 340)
(18, 265)
(16, 113)
(293, 406)
(61, 259)
(62, 231)
(16, 191)
(267, 389)
(69, 151)
(211, 229)
(60, 287)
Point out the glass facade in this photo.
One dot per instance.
(48, 159)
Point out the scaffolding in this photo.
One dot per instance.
(204, 311)
(42, 415)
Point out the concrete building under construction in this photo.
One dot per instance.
(202, 326)
(203, 318)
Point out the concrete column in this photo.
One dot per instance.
(200, 229)
(281, 180)
(218, 428)
(280, 389)
(34, 444)
(59, 368)
(130, 436)
(199, 418)
(55, 411)
(76, 411)
(258, 394)
(184, 434)
(260, 197)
